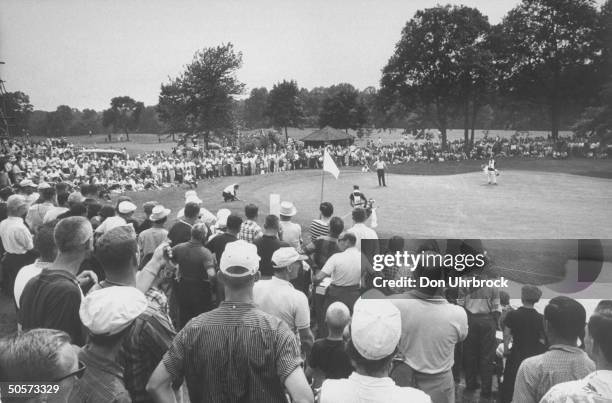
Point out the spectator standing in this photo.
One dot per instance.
(149, 239)
(217, 243)
(16, 240)
(181, 230)
(483, 311)
(564, 320)
(290, 231)
(45, 246)
(40, 356)
(196, 270)
(148, 210)
(235, 352)
(431, 328)
(375, 333)
(328, 358)
(36, 212)
(320, 227)
(279, 298)
(151, 334)
(250, 230)
(597, 386)
(525, 327)
(107, 314)
(267, 244)
(367, 239)
(52, 299)
(345, 270)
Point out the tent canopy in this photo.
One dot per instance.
(328, 135)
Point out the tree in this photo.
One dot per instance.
(124, 114)
(255, 108)
(201, 98)
(432, 66)
(546, 51)
(341, 109)
(284, 105)
(60, 121)
(17, 107)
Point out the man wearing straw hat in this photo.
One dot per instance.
(291, 232)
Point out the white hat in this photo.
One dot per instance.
(126, 207)
(287, 209)
(43, 186)
(110, 310)
(193, 199)
(26, 183)
(240, 254)
(283, 257)
(159, 212)
(376, 328)
(53, 213)
(222, 215)
(190, 193)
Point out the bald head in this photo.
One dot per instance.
(337, 317)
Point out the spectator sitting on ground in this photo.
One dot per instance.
(375, 333)
(40, 356)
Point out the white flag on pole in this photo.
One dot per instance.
(329, 165)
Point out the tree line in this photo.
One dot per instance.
(546, 66)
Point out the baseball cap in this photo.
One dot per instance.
(239, 254)
(376, 328)
(110, 310)
(283, 257)
(126, 207)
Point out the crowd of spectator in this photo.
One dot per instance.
(230, 308)
(57, 160)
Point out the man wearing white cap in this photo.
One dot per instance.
(277, 296)
(16, 240)
(36, 214)
(291, 232)
(125, 209)
(150, 239)
(27, 188)
(375, 332)
(107, 314)
(235, 352)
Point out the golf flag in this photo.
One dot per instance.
(329, 165)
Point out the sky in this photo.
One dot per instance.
(82, 53)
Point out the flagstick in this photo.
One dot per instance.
(322, 182)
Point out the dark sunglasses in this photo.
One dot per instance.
(78, 373)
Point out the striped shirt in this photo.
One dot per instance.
(318, 228)
(235, 353)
